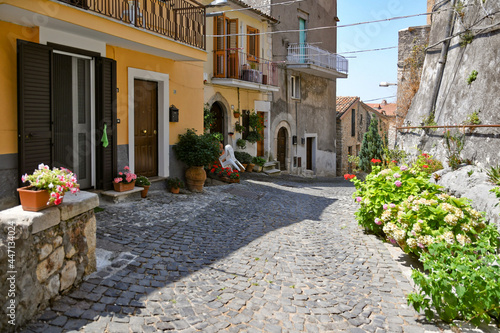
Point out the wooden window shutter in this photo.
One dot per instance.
(253, 44)
(219, 47)
(34, 80)
(106, 114)
(232, 45)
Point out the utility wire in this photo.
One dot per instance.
(359, 51)
(376, 99)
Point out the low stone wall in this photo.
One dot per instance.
(44, 254)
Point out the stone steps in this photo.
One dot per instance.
(272, 168)
(157, 183)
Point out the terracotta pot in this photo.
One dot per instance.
(195, 178)
(174, 190)
(121, 187)
(231, 180)
(144, 192)
(244, 167)
(250, 167)
(236, 114)
(34, 201)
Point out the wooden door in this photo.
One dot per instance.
(309, 152)
(218, 126)
(260, 144)
(282, 143)
(146, 127)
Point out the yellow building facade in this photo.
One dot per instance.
(239, 78)
(94, 86)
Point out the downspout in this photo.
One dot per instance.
(442, 59)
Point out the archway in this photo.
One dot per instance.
(282, 147)
(219, 116)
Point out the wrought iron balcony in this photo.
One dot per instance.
(307, 54)
(181, 20)
(234, 64)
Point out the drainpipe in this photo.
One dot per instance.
(442, 59)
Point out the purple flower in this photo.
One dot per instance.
(403, 168)
(398, 183)
(385, 206)
(393, 241)
(358, 199)
(392, 205)
(420, 245)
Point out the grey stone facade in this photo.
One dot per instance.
(9, 181)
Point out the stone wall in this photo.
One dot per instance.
(44, 254)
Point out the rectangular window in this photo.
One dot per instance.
(353, 122)
(295, 86)
(253, 44)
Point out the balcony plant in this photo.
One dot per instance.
(236, 113)
(125, 180)
(144, 182)
(175, 184)
(47, 187)
(242, 144)
(196, 151)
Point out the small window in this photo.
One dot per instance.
(353, 122)
(253, 44)
(295, 86)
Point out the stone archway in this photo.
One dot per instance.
(217, 110)
(221, 103)
(283, 140)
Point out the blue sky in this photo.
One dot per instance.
(368, 69)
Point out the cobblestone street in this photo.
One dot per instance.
(268, 255)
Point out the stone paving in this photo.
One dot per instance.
(268, 255)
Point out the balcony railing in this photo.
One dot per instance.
(234, 64)
(182, 20)
(309, 54)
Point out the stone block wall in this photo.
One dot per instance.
(44, 254)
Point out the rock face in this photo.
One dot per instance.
(51, 255)
(472, 50)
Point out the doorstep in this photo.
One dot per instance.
(116, 197)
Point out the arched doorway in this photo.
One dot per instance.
(282, 147)
(219, 115)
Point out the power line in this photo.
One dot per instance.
(376, 99)
(379, 49)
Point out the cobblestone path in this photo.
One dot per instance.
(261, 256)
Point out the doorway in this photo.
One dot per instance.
(146, 127)
(218, 126)
(310, 153)
(260, 144)
(282, 147)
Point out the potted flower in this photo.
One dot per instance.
(196, 151)
(234, 177)
(125, 180)
(174, 184)
(242, 144)
(47, 187)
(236, 113)
(144, 182)
(259, 163)
(244, 157)
(224, 174)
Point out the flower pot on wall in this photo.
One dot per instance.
(122, 187)
(174, 190)
(195, 178)
(34, 201)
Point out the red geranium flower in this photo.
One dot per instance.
(425, 166)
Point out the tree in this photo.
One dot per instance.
(371, 147)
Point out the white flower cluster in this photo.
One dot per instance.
(463, 239)
(426, 240)
(448, 237)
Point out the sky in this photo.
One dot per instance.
(368, 69)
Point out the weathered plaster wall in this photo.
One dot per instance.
(457, 99)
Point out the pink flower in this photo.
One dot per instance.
(358, 199)
(420, 245)
(117, 179)
(393, 241)
(24, 177)
(126, 168)
(59, 188)
(398, 183)
(392, 205)
(58, 201)
(385, 206)
(403, 168)
(53, 195)
(378, 221)
(74, 190)
(120, 173)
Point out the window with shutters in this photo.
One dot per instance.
(295, 86)
(253, 44)
(226, 47)
(353, 122)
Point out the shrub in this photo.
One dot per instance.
(196, 150)
(142, 181)
(242, 144)
(371, 147)
(427, 163)
(259, 160)
(386, 187)
(243, 157)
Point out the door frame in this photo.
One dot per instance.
(314, 138)
(163, 123)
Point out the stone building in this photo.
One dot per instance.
(389, 110)
(353, 120)
(302, 124)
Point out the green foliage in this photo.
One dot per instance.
(256, 126)
(259, 160)
(174, 182)
(466, 38)
(454, 144)
(473, 118)
(238, 127)
(462, 282)
(371, 147)
(427, 163)
(253, 137)
(397, 155)
(196, 150)
(208, 118)
(242, 144)
(494, 175)
(429, 121)
(388, 186)
(354, 160)
(243, 157)
(472, 77)
(142, 181)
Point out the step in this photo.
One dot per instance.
(116, 197)
(273, 172)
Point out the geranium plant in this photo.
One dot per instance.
(125, 177)
(56, 181)
(234, 175)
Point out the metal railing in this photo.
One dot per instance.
(234, 64)
(310, 54)
(182, 20)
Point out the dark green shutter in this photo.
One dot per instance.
(106, 114)
(34, 96)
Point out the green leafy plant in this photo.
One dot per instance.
(427, 163)
(429, 121)
(472, 77)
(466, 38)
(371, 147)
(174, 182)
(56, 181)
(208, 118)
(196, 150)
(238, 127)
(253, 137)
(142, 181)
(454, 143)
(473, 119)
(354, 161)
(242, 144)
(259, 160)
(494, 174)
(243, 157)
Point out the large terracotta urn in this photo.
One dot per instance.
(195, 178)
